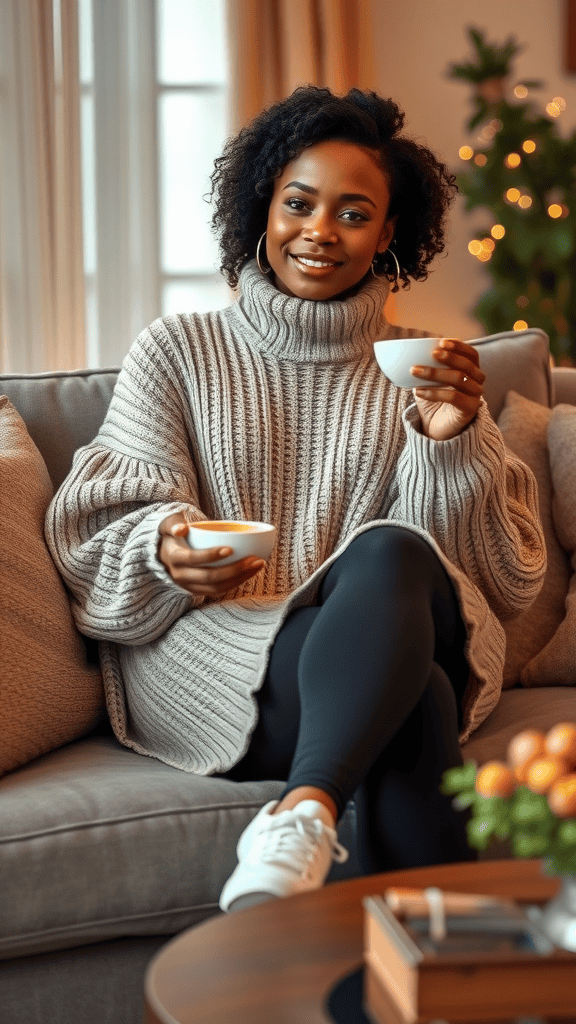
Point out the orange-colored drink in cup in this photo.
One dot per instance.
(245, 537)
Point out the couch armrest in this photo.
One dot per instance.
(563, 385)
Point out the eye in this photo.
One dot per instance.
(354, 214)
(294, 200)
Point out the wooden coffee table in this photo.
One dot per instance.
(275, 963)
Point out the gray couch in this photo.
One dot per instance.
(105, 854)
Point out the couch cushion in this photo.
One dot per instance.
(49, 693)
(62, 411)
(555, 664)
(524, 426)
(98, 842)
(518, 710)
(516, 361)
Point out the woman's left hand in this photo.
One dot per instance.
(446, 410)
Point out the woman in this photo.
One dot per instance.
(368, 647)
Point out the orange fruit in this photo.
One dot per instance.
(561, 742)
(544, 772)
(562, 797)
(526, 746)
(495, 779)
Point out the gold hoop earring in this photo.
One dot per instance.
(386, 272)
(260, 267)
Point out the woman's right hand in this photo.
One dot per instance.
(188, 567)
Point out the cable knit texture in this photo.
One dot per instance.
(272, 409)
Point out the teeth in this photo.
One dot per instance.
(312, 263)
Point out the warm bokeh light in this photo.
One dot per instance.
(512, 195)
(524, 202)
(474, 246)
(529, 146)
(520, 325)
(521, 92)
(480, 159)
(513, 160)
(522, 301)
(553, 109)
(496, 125)
(488, 244)
(565, 210)
(487, 133)
(555, 210)
(465, 153)
(560, 102)
(484, 256)
(498, 231)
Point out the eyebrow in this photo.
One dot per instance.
(345, 195)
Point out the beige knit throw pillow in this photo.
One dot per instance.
(49, 695)
(524, 426)
(555, 664)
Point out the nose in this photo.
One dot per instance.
(321, 229)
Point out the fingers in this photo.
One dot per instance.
(462, 372)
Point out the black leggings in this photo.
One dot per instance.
(362, 699)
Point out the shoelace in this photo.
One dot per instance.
(295, 843)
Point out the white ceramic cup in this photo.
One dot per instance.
(256, 539)
(395, 356)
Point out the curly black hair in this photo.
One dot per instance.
(422, 188)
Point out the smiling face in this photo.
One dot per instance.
(329, 206)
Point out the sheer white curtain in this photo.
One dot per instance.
(41, 266)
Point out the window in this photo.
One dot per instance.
(153, 119)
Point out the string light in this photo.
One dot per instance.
(529, 146)
(465, 153)
(513, 160)
(498, 231)
(482, 249)
(525, 202)
(556, 107)
(480, 160)
(512, 195)
(520, 325)
(521, 92)
(555, 210)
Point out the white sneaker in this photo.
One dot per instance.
(282, 854)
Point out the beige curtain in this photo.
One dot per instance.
(276, 45)
(41, 259)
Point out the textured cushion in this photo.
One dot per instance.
(49, 694)
(555, 664)
(98, 842)
(524, 426)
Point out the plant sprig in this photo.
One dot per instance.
(524, 819)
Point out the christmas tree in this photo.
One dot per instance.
(523, 171)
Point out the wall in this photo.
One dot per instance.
(413, 44)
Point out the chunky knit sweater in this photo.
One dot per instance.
(272, 409)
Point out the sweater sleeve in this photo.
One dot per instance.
(102, 524)
(480, 503)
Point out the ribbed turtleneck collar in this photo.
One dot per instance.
(309, 331)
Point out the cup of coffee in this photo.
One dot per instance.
(245, 537)
(395, 356)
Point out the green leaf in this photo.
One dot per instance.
(462, 777)
(566, 833)
(529, 846)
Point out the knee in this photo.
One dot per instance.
(394, 547)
